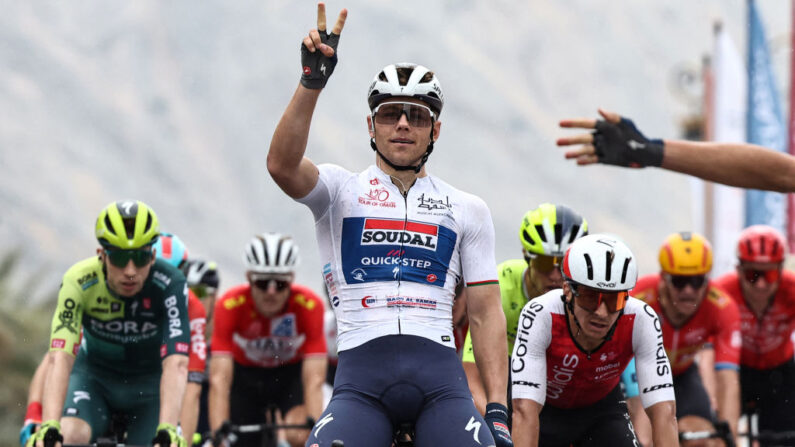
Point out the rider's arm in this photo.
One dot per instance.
(663, 424)
(705, 359)
(735, 164)
(475, 386)
(487, 325)
(56, 383)
(295, 174)
(221, 370)
(640, 420)
(189, 416)
(525, 422)
(729, 397)
(313, 375)
(172, 387)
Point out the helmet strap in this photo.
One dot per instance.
(417, 168)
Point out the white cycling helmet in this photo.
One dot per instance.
(421, 84)
(602, 262)
(272, 253)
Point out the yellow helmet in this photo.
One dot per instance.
(686, 253)
(127, 224)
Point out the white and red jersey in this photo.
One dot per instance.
(253, 340)
(197, 318)
(391, 262)
(766, 341)
(716, 319)
(561, 374)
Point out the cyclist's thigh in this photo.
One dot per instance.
(556, 428)
(691, 396)
(85, 399)
(289, 388)
(137, 398)
(354, 419)
(248, 400)
(452, 422)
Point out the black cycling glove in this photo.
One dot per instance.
(622, 144)
(497, 419)
(317, 68)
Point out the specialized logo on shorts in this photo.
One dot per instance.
(377, 250)
(81, 395)
(322, 422)
(473, 426)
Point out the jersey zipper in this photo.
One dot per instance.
(402, 252)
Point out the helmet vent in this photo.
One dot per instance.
(609, 255)
(573, 234)
(589, 266)
(129, 227)
(541, 234)
(108, 225)
(762, 246)
(148, 222)
(624, 271)
(558, 233)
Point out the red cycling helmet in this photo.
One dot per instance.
(761, 243)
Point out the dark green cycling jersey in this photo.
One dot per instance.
(514, 296)
(127, 335)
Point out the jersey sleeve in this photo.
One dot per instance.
(529, 359)
(653, 369)
(477, 246)
(197, 360)
(66, 323)
(315, 342)
(326, 189)
(176, 329)
(727, 338)
(224, 316)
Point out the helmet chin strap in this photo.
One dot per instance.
(417, 168)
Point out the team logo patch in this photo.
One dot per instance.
(182, 347)
(58, 343)
(284, 326)
(391, 232)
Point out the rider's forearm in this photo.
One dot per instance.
(526, 424)
(221, 370)
(475, 386)
(728, 391)
(56, 384)
(172, 387)
(36, 390)
(290, 137)
(313, 375)
(741, 165)
(487, 325)
(663, 424)
(189, 417)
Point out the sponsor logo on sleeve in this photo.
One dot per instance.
(174, 323)
(526, 320)
(67, 316)
(527, 384)
(661, 358)
(182, 347)
(58, 343)
(163, 350)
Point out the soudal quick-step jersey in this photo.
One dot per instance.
(561, 374)
(127, 335)
(391, 262)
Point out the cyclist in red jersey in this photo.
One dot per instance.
(268, 344)
(693, 310)
(765, 294)
(567, 392)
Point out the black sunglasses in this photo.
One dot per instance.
(681, 281)
(263, 284)
(120, 258)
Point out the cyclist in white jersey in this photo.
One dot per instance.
(394, 241)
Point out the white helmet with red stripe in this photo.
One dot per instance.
(602, 262)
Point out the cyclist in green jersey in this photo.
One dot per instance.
(545, 233)
(131, 311)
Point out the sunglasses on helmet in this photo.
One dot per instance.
(753, 275)
(590, 299)
(417, 115)
(681, 281)
(120, 258)
(264, 283)
(545, 264)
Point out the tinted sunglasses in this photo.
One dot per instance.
(753, 275)
(263, 284)
(545, 264)
(590, 299)
(681, 281)
(417, 115)
(120, 258)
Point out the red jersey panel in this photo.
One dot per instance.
(254, 340)
(197, 316)
(717, 320)
(766, 341)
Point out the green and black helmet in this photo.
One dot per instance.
(127, 224)
(549, 230)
